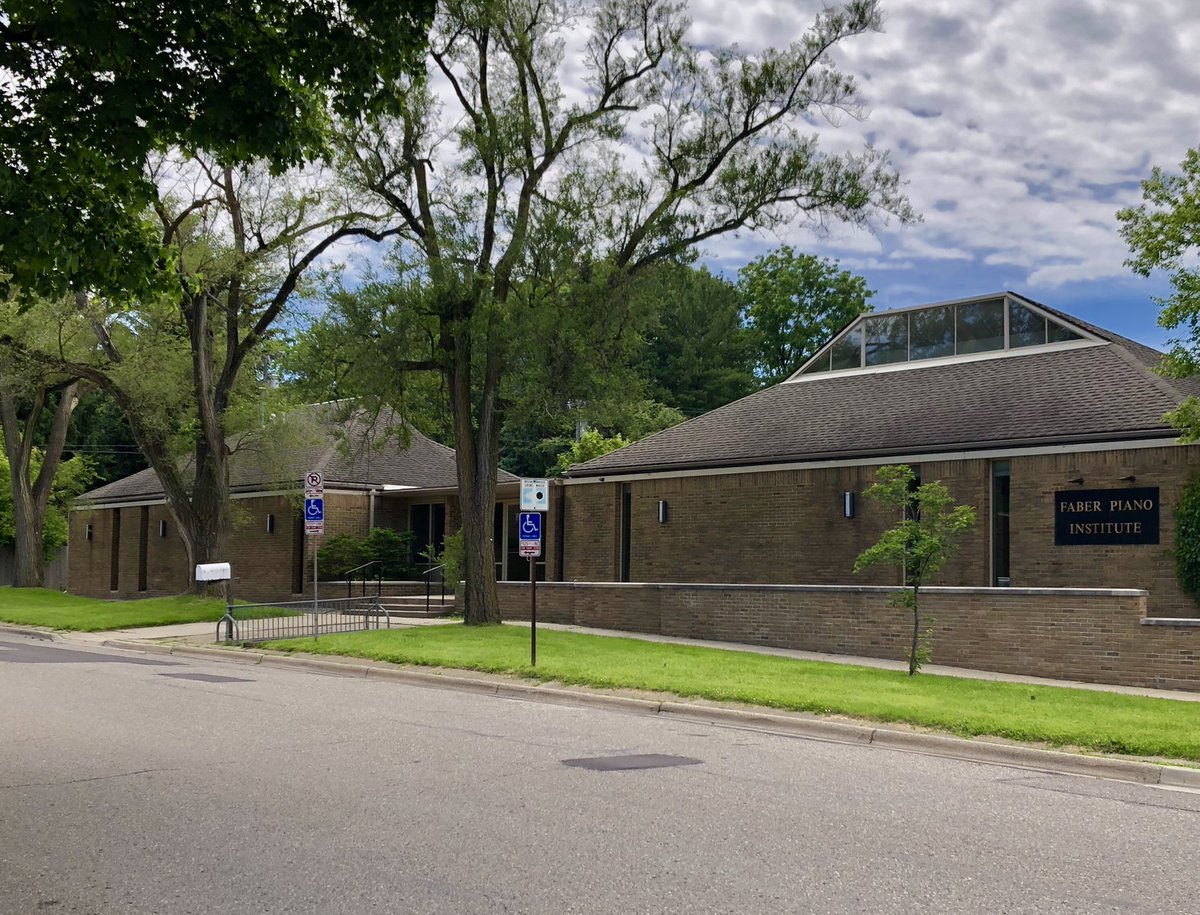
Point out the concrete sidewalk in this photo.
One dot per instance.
(205, 633)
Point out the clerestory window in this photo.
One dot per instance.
(939, 331)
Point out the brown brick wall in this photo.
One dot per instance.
(787, 526)
(1092, 636)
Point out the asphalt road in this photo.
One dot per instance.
(138, 784)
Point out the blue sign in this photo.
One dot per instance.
(529, 526)
(314, 509)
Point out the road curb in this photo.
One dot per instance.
(34, 632)
(981, 751)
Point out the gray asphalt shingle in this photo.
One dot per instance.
(1097, 392)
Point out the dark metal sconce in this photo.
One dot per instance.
(848, 504)
(1075, 480)
(1129, 478)
(662, 511)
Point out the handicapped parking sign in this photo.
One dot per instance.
(314, 509)
(530, 525)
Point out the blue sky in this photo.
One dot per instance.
(1021, 127)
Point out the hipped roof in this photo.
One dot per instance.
(353, 452)
(1091, 392)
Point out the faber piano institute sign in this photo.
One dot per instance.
(1106, 517)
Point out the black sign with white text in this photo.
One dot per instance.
(1106, 517)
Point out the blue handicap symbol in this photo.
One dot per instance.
(530, 526)
(314, 509)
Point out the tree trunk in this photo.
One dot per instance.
(30, 566)
(205, 521)
(31, 496)
(476, 456)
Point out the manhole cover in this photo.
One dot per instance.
(634, 761)
(207, 678)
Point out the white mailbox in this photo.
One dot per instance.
(213, 571)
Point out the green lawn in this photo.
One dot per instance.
(41, 607)
(1060, 717)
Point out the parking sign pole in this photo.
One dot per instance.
(533, 611)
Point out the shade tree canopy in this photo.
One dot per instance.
(509, 189)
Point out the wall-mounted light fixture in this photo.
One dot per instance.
(162, 527)
(848, 504)
(1128, 478)
(270, 524)
(662, 511)
(87, 534)
(1076, 480)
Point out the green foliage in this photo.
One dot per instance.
(392, 550)
(697, 353)
(590, 445)
(1163, 233)
(73, 478)
(89, 89)
(1187, 540)
(1091, 719)
(339, 554)
(922, 541)
(794, 304)
(54, 609)
(452, 557)
(343, 553)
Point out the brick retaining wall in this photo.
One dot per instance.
(1088, 634)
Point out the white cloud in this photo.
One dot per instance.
(1020, 127)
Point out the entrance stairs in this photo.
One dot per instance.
(413, 606)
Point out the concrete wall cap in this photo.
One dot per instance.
(836, 589)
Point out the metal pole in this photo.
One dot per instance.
(315, 610)
(533, 611)
(229, 610)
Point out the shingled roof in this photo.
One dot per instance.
(352, 449)
(1101, 390)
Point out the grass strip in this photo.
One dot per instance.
(1057, 716)
(43, 607)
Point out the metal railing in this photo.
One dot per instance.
(378, 578)
(428, 576)
(248, 623)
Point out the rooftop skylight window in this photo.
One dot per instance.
(940, 331)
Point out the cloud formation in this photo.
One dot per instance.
(1021, 126)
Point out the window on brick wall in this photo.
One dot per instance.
(1000, 527)
(428, 525)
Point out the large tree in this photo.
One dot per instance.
(794, 303)
(183, 367)
(35, 411)
(90, 88)
(505, 178)
(1163, 233)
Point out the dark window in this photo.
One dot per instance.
(980, 327)
(1000, 528)
(626, 530)
(846, 353)
(1025, 326)
(1060, 334)
(932, 332)
(143, 547)
(820, 364)
(114, 559)
(887, 339)
(428, 525)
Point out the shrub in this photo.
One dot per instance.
(1187, 540)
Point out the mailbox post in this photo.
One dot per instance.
(220, 571)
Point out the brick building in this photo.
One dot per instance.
(124, 541)
(1051, 427)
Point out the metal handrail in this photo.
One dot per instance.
(378, 578)
(427, 576)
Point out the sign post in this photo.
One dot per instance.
(314, 524)
(529, 534)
